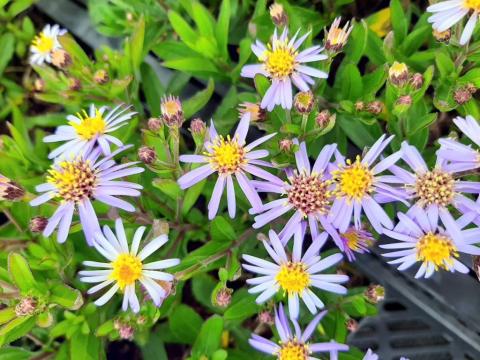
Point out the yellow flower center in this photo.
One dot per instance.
(353, 239)
(227, 155)
(293, 277)
(437, 249)
(280, 62)
(435, 187)
(126, 270)
(354, 180)
(398, 69)
(293, 350)
(43, 43)
(89, 127)
(472, 5)
(75, 180)
(336, 36)
(309, 194)
(170, 107)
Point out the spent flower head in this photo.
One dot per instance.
(337, 37)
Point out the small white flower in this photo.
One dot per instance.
(126, 267)
(45, 43)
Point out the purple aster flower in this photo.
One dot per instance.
(294, 344)
(360, 187)
(126, 267)
(294, 275)
(356, 241)
(79, 181)
(87, 130)
(307, 193)
(435, 189)
(459, 156)
(228, 157)
(282, 63)
(422, 239)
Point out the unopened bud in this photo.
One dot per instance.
(359, 106)
(26, 306)
(375, 293)
(336, 37)
(172, 111)
(398, 74)
(154, 124)
(462, 95)
(324, 118)
(442, 36)
(265, 317)
(404, 100)
(375, 107)
(285, 145)
(471, 88)
(74, 84)
(125, 330)
(224, 297)
(10, 190)
(417, 81)
(476, 265)
(39, 85)
(147, 155)
(197, 126)
(303, 102)
(101, 77)
(352, 325)
(278, 14)
(61, 58)
(38, 224)
(257, 114)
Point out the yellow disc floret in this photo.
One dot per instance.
(280, 61)
(89, 127)
(354, 180)
(43, 43)
(435, 187)
(472, 5)
(293, 350)
(437, 249)
(293, 277)
(75, 180)
(227, 155)
(126, 270)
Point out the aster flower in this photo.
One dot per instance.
(294, 344)
(45, 43)
(79, 181)
(229, 157)
(86, 130)
(434, 189)
(448, 13)
(126, 267)
(172, 111)
(294, 275)
(422, 240)
(307, 192)
(282, 63)
(336, 37)
(10, 190)
(356, 241)
(359, 186)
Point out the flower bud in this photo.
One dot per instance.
(61, 59)
(197, 127)
(223, 297)
(442, 36)
(265, 317)
(74, 84)
(352, 325)
(375, 293)
(10, 190)
(303, 102)
(404, 100)
(154, 124)
(285, 145)
(125, 330)
(101, 77)
(278, 15)
(147, 155)
(39, 85)
(476, 265)
(257, 114)
(398, 74)
(336, 37)
(462, 95)
(471, 88)
(172, 111)
(38, 224)
(26, 306)
(324, 118)
(359, 106)
(417, 81)
(375, 107)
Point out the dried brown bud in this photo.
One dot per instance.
(265, 317)
(74, 84)
(336, 37)
(61, 58)
(476, 265)
(147, 155)
(375, 293)
(172, 111)
(303, 102)
(285, 145)
(359, 106)
(375, 107)
(101, 77)
(462, 95)
(278, 14)
(324, 118)
(471, 88)
(257, 114)
(38, 224)
(442, 36)
(398, 74)
(404, 100)
(224, 297)
(10, 190)
(352, 325)
(154, 124)
(39, 85)
(417, 81)
(26, 306)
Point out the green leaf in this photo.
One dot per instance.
(191, 196)
(6, 315)
(203, 19)
(399, 21)
(199, 100)
(169, 187)
(351, 82)
(221, 230)
(472, 76)
(361, 134)
(85, 346)
(185, 324)
(76, 52)
(65, 296)
(416, 39)
(416, 124)
(242, 309)
(261, 84)
(208, 341)
(14, 353)
(445, 64)
(20, 273)
(222, 28)
(183, 29)
(15, 329)
(152, 88)
(105, 329)
(136, 44)
(7, 44)
(355, 48)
